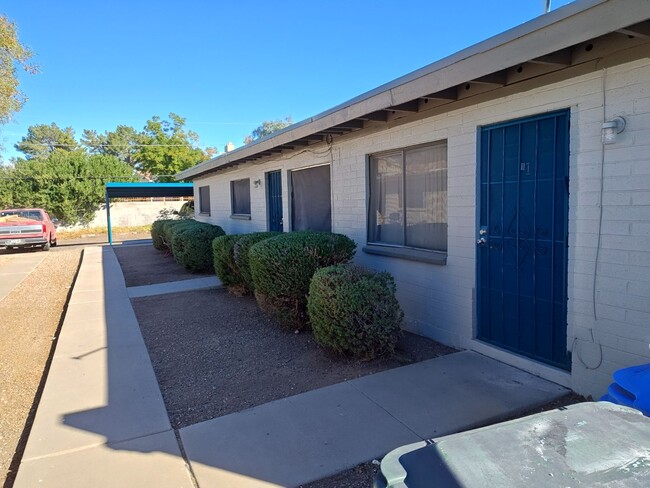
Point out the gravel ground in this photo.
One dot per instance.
(215, 354)
(144, 265)
(201, 344)
(361, 476)
(29, 318)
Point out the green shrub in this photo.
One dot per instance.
(241, 248)
(223, 249)
(192, 245)
(157, 234)
(170, 227)
(161, 232)
(354, 311)
(282, 268)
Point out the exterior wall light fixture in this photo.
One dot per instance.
(257, 183)
(611, 129)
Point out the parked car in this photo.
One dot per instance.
(187, 210)
(27, 228)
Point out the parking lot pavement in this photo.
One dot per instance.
(15, 267)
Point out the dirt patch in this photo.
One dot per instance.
(215, 354)
(29, 319)
(362, 476)
(144, 265)
(102, 232)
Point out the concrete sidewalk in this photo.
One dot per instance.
(102, 422)
(310, 436)
(207, 283)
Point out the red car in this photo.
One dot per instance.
(26, 227)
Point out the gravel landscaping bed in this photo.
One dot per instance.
(144, 265)
(29, 318)
(215, 354)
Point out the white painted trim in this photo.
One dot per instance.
(309, 167)
(550, 373)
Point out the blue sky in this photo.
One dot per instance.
(227, 66)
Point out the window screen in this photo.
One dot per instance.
(204, 200)
(311, 203)
(240, 191)
(408, 198)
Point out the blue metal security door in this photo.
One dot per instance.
(274, 200)
(522, 238)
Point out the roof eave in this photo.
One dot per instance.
(574, 23)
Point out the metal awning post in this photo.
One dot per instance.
(108, 218)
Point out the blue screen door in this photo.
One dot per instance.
(522, 237)
(274, 200)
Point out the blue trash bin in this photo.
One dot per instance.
(631, 388)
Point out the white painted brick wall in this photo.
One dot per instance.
(439, 301)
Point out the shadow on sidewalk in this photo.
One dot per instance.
(297, 439)
(135, 411)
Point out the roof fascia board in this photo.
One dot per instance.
(603, 18)
(572, 24)
(111, 184)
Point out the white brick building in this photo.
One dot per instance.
(560, 286)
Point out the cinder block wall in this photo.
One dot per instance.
(439, 301)
(129, 214)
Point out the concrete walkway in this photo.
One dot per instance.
(209, 282)
(316, 434)
(101, 421)
(15, 267)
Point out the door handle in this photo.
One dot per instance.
(482, 241)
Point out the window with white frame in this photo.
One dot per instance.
(311, 199)
(240, 193)
(204, 200)
(408, 197)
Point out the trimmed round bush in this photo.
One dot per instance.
(192, 245)
(156, 234)
(241, 248)
(223, 249)
(282, 268)
(354, 311)
(170, 227)
(161, 232)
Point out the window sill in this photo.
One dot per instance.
(207, 214)
(410, 254)
(240, 217)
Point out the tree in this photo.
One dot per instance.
(6, 196)
(13, 54)
(160, 150)
(42, 140)
(123, 143)
(268, 127)
(167, 148)
(70, 185)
